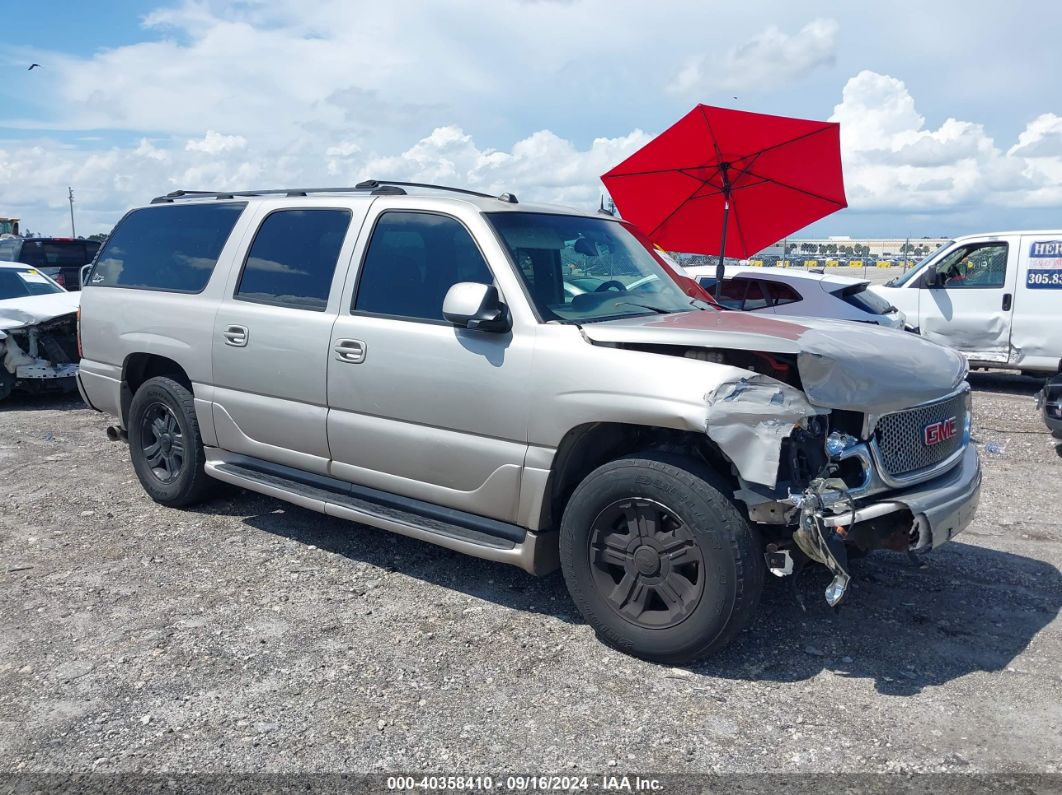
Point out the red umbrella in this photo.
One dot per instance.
(763, 176)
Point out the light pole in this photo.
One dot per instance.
(70, 196)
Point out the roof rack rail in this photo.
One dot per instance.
(376, 187)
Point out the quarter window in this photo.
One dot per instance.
(412, 261)
(172, 248)
(293, 258)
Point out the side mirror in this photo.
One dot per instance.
(933, 278)
(85, 272)
(476, 306)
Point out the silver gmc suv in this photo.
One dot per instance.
(524, 383)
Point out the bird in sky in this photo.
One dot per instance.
(32, 66)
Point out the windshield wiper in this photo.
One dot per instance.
(657, 309)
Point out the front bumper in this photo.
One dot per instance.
(919, 517)
(941, 508)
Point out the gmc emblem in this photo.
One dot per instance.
(940, 431)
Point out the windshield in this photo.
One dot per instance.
(580, 269)
(23, 282)
(907, 275)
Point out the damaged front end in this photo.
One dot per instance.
(828, 484)
(841, 436)
(39, 356)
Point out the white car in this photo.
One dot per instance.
(784, 291)
(38, 332)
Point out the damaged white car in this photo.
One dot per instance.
(38, 332)
(411, 360)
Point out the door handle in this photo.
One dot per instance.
(236, 336)
(1007, 299)
(352, 351)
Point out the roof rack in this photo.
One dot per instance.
(374, 187)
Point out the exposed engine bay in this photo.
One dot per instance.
(39, 357)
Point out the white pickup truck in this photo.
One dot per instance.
(996, 297)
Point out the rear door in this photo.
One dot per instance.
(965, 298)
(1036, 334)
(271, 334)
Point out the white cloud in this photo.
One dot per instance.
(767, 61)
(540, 167)
(892, 162)
(214, 143)
(1042, 138)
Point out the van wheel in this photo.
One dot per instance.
(657, 558)
(165, 445)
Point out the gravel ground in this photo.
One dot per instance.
(251, 635)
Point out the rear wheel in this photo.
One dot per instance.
(164, 443)
(658, 560)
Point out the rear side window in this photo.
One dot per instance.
(293, 258)
(733, 293)
(171, 248)
(779, 294)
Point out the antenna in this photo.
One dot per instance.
(70, 196)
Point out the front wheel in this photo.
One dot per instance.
(658, 560)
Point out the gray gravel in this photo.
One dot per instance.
(251, 635)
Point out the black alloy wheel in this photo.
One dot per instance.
(162, 442)
(645, 563)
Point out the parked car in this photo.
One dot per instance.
(409, 360)
(59, 258)
(995, 297)
(38, 342)
(1049, 401)
(787, 291)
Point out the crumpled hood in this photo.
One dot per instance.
(28, 311)
(842, 364)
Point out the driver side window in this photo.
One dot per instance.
(980, 265)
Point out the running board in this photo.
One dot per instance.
(474, 535)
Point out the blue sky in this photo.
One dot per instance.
(951, 113)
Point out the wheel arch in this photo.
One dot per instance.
(586, 447)
(139, 368)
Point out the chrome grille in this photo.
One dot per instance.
(900, 436)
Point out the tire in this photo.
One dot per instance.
(165, 445)
(696, 587)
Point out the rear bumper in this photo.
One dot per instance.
(941, 508)
(100, 386)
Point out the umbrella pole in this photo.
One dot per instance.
(719, 269)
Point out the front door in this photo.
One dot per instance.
(271, 335)
(965, 300)
(420, 408)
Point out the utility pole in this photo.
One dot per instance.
(70, 196)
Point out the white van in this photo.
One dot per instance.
(995, 297)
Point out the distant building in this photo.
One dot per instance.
(854, 247)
